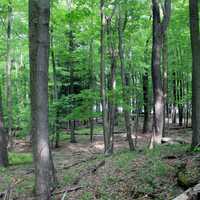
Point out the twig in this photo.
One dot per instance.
(79, 162)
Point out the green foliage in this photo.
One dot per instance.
(20, 158)
(87, 196)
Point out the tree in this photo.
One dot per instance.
(124, 78)
(3, 138)
(107, 136)
(8, 70)
(159, 29)
(39, 12)
(195, 43)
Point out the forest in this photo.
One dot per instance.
(99, 99)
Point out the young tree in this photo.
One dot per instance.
(39, 12)
(195, 43)
(108, 142)
(8, 69)
(3, 139)
(145, 81)
(124, 78)
(159, 29)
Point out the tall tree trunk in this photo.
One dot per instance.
(124, 80)
(180, 105)
(39, 60)
(91, 86)
(174, 99)
(55, 91)
(165, 76)
(8, 72)
(107, 138)
(159, 28)
(71, 69)
(146, 92)
(3, 138)
(195, 43)
(146, 101)
(112, 81)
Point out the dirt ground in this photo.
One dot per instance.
(84, 173)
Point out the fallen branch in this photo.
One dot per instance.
(67, 190)
(190, 194)
(89, 171)
(79, 162)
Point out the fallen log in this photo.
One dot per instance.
(168, 140)
(192, 193)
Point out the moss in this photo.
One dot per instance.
(188, 178)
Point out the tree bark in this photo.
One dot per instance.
(55, 92)
(124, 80)
(112, 81)
(3, 139)
(174, 99)
(39, 12)
(165, 76)
(159, 28)
(195, 43)
(107, 139)
(8, 72)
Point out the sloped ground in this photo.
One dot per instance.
(84, 173)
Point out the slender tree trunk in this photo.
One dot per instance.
(55, 92)
(39, 12)
(8, 72)
(146, 102)
(107, 139)
(195, 43)
(71, 71)
(165, 76)
(124, 80)
(180, 106)
(3, 139)
(174, 99)
(145, 77)
(187, 106)
(112, 81)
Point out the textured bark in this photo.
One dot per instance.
(71, 72)
(146, 102)
(55, 91)
(190, 194)
(195, 43)
(112, 81)
(174, 99)
(71, 69)
(92, 87)
(124, 80)
(146, 93)
(180, 105)
(165, 76)
(39, 55)
(159, 28)
(107, 139)
(91, 129)
(3, 139)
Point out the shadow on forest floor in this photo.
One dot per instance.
(84, 173)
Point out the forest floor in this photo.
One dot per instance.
(84, 173)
